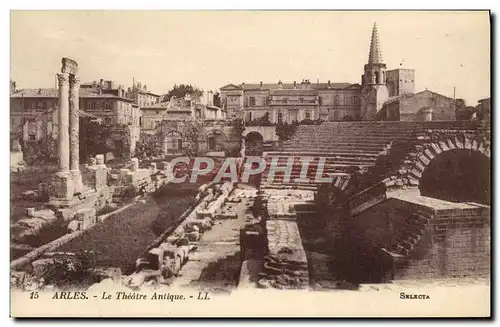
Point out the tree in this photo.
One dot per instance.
(285, 130)
(261, 121)
(93, 137)
(464, 113)
(179, 91)
(190, 131)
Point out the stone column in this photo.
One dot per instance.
(63, 121)
(243, 147)
(74, 130)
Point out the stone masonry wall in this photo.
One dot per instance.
(438, 239)
(458, 245)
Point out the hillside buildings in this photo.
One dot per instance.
(34, 114)
(382, 95)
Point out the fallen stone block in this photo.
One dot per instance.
(30, 195)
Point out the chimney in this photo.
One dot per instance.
(101, 83)
(294, 84)
(329, 84)
(280, 84)
(261, 85)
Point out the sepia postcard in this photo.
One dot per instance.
(250, 164)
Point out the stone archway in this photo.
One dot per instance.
(216, 140)
(458, 175)
(450, 168)
(254, 142)
(172, 142)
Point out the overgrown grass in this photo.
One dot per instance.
(24, 181)
(119, 240)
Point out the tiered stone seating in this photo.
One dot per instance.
(347, 147)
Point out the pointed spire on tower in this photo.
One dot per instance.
(375, 56)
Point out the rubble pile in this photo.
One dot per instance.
(282, 272)
(285, 266)
(62, 270)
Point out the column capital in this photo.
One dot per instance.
(74, 80)
(63, 79)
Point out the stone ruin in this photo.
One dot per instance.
(165, 257)
(69, 197)
(16, 157)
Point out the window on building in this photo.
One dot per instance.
(26, 105)
(280, 117)
(250, 116)
(107, 120)
(308, 115)
(338, 100)
(211, 143)
(32, 137)
(107, 106)
(301, 100)
(285, 100)
(90, 105)
(268, 100)
(157, 112)
(251, 101)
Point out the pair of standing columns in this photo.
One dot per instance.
(68, 131)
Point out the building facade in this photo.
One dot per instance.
(421, 106)
(141, 95)
(288, 102)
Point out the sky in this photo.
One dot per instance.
(211, 49)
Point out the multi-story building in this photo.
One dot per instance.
(141, 95)
(34, 113)
(287, 102)
(177, 109)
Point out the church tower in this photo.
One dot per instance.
(374, 90)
